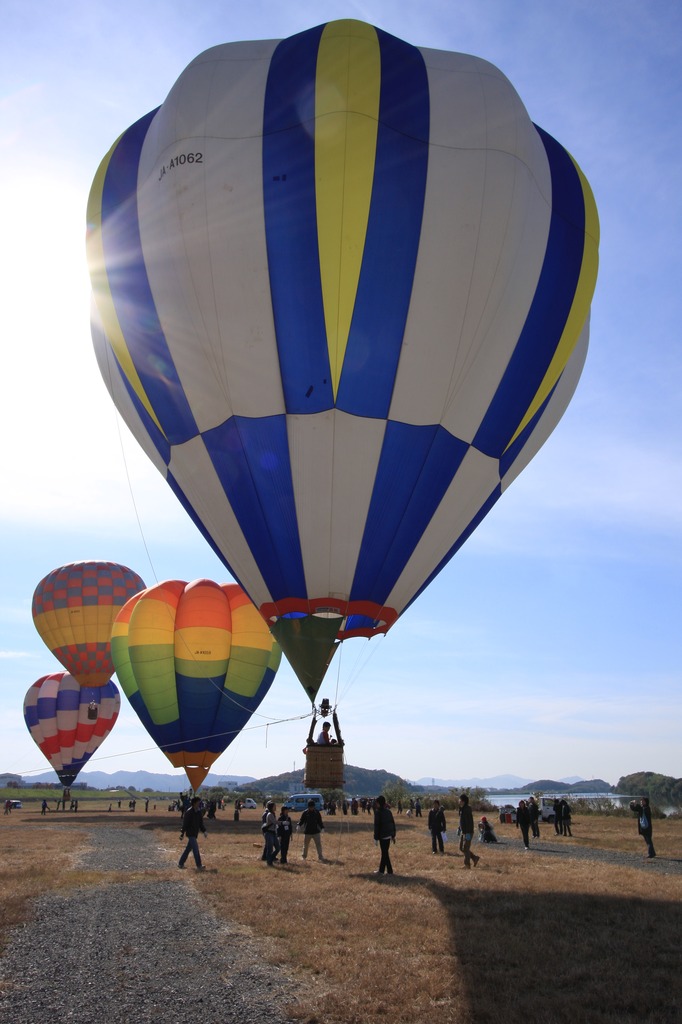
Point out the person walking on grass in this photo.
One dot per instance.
(311, 823)
(644, 823)
(192, 825)
(384, 834)
(534, 812)
(437, 827)
(523, 822)
(466, 824)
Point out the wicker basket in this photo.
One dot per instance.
(324, 766)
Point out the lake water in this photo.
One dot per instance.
(500, 799)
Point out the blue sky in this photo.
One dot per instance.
(552, 644)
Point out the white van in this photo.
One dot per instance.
(546, 808)
(298, 802)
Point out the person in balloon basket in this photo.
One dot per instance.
(313, 827)
(466, 823)
(437, 827)
(192, 825)
(644, 823)
(324, 735)
(384, 834)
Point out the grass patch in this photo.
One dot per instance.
(523, 937)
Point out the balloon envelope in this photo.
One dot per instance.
(69, 722)
(74, 608)
(341, 297)
(195, 660)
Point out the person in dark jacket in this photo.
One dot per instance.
(269, 830)
(284, 829)
(466, 824)
(565, 817)
(644, 823)
(523, 822)
(486, 832)
(534, 812)
(436, 827)
(384, 833)
(192, 825)
(558, 814)
(311, 823)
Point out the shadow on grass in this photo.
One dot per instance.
(568, 958)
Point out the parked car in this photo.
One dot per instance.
(546, 806)
(298, 802)
(249, 804)
(15, 805)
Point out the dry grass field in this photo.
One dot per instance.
(523, 937)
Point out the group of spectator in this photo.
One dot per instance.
(562, 817)
(277, 833)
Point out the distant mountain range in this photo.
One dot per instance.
(359, 781)
(496, 782)
(139, 781)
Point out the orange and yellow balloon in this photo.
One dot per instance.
(195, 661)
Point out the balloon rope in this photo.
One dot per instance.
(171, 746)
(127, 472)
(359, 669)
(338, 676)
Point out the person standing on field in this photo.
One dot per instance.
(644, 823)
(558, 817)
(523, 822)
(284, 829)
(311, 823)
(269, 828)
(436, 827)
(384, 833)
(466, 824)
(566, 818)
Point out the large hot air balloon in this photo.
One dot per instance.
(69, 721)
(74, 608)
(341, 297)
(195, 660)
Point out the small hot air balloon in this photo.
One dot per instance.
(74, 608)
(69, 721)
(195, 660)
(341, 297)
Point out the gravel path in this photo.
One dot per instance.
(135, 952)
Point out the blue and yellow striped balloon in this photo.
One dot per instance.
(342, 289)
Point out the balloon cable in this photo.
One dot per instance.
(171, 746)
(359, 669)
(117, 419)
